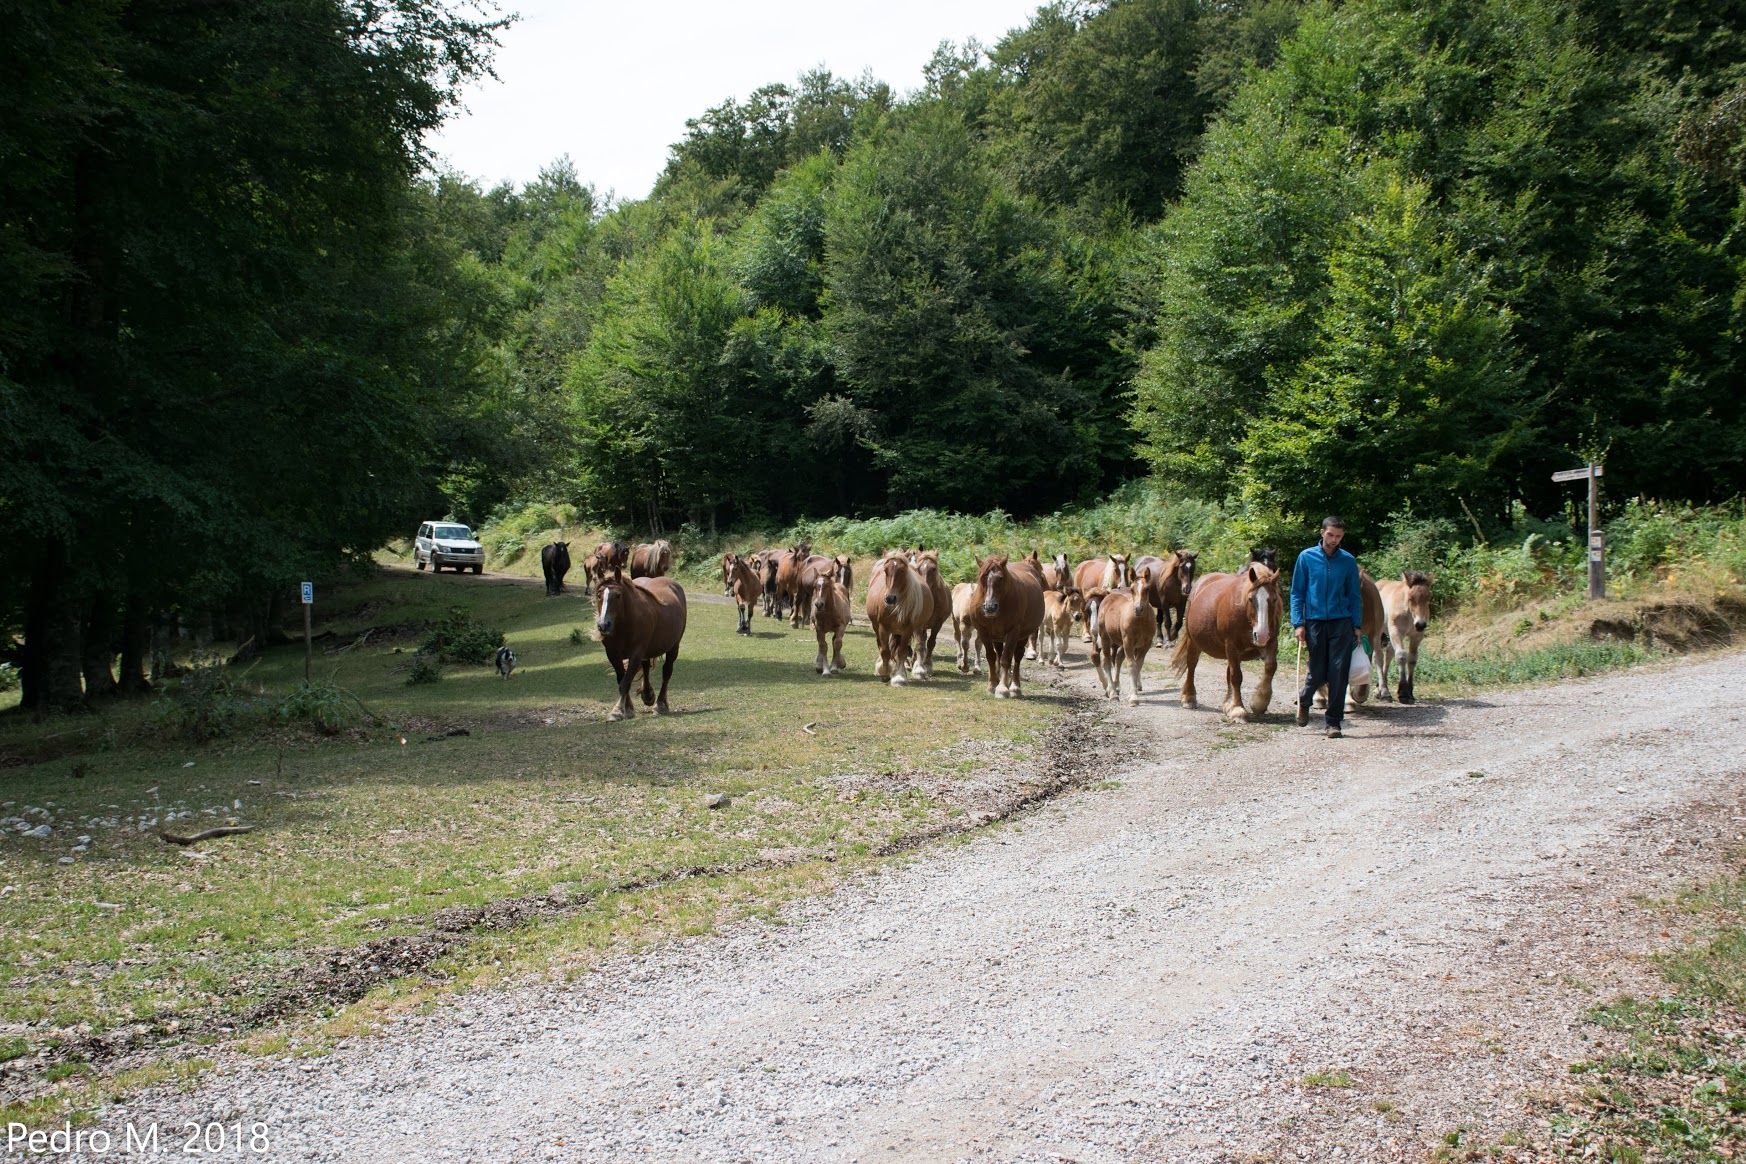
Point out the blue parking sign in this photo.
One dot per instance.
(309, 594)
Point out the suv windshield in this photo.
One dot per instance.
(453, 533)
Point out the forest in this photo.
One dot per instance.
(1377, 258)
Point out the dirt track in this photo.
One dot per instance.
(1139, 973)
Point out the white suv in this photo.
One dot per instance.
(444, 543)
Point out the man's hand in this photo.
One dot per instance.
(1302, 635)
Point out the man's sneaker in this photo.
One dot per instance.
(1333, 733)
(1302, 712)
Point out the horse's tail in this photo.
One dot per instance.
(1184, 647)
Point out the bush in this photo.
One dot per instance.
(204, 703)
(426, 668)
(458, 638)
(321, 703)
(512, 530)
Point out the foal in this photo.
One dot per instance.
(830, 616)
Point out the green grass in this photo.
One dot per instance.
(1565, 660)
(1676, 1089)
(1326, 1079)
(369, 832)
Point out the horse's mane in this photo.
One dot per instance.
(1416, 578)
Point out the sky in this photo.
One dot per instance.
(612, 84)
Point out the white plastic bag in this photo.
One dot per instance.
(1359, 673)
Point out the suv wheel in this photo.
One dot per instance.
(416, 560)
(479, 569)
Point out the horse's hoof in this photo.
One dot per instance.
(615, 716)
(1238, 715)
(1030, 655)
(899, 681)
(1133, 701)
(663, 709)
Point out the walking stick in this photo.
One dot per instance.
(1299, 688)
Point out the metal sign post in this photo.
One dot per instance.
(308, 641)
(1597, 575)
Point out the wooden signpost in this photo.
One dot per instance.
(1597, 575)
(308, 641)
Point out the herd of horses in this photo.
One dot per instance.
(1013, 610)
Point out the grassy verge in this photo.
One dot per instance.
(1676, 1089)
(574, 834)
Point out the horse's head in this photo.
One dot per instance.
(1266, 556)
(820, 594)
(845, 570)
(894, 568)
(1145, 579)
(1119, 563)
(1061, 565)
(608, 597)
(1185, 569)
(1073, 599)
(1260, 587)
(991, 580)
(1418, 598)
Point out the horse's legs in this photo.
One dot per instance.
(1409, 666)
(900, 659)
(648, 691)
(818, 664)
(1380, 664)
(1234, 709)
(882, 669)
(996, 685)
(962, 647)
(1015, 679)
(1264, 689)
(837, 651)
(1135, 663)
(666, 674)
(1193, 660)
(627, 671)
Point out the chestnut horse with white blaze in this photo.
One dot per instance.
(1406, 607)
(927, 564)
(899, 608)
(815, 566)
(639, 619)
(1007, 611)
(1233, 617)
(1126, 626)
(964, 629)
(830, 616)
(745, 586)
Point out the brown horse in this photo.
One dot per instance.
(927, 564)
(1406, 612)
(900, 607)
(830, 616)
(1099, 574)
(1056, 575)
(639, 619)
(1126, 626)
(608, 557)
(815, 566)
(964, 629)
(652, 559)
(1059, 609)
(1370, 603)
(745, 586)
(1232, 617)
(789, 564)
(1172, 583)
(1007, 610)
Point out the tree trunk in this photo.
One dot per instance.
(53, 619)
(136, 638)
(97, 658)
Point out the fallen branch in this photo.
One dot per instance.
(206, 834)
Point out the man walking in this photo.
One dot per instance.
(1327, 611)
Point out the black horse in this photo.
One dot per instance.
(555, 561)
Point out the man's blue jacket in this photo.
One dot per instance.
(1324, 587)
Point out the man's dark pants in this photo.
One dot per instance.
(1330, 659)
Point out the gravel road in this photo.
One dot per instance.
(1140, 972)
